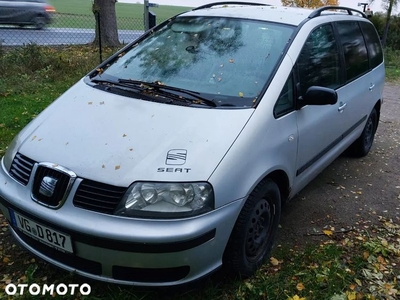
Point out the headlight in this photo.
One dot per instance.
(10, 153)
(166, 200)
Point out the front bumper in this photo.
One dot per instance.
(123, 250)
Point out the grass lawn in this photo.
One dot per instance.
(129, 16)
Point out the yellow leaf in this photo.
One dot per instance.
(241, 94)
(6, 260)
(351, 295)
(328, 232)
(381, 260)
(295, 297)
(300, 286)
(274, 261)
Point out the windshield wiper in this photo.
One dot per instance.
(161, 88)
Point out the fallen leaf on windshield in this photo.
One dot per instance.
(117, 167)
(231, 61)
(241, 94)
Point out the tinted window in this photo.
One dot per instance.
(285, 101)
(229, 60)
(373, 44)
(318, 63)
(355, 51)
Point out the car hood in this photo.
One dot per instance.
(119, 140)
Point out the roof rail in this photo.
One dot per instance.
(230, 2)
(318, 11)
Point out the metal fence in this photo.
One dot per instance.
(67, 29)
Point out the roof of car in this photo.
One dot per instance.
(279, 14)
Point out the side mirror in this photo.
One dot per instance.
(318, 95)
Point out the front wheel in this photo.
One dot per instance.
(363, 144)
(39, 22)
(255, 229)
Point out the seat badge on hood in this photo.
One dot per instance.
(176, 157)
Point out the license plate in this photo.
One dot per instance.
(44, 234)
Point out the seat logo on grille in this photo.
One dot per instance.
(47, 186)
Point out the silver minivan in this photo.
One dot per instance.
(175, 156)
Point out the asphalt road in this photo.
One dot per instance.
(15, 36)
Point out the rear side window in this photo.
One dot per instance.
(318, 63)
(355, 51)
(373, 44)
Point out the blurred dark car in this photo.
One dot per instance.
(26, 12)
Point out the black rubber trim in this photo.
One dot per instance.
(230, 3)
(121, 245)
(150, 275)
(329, 147)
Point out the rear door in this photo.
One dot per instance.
(355, 95)
(6, 10)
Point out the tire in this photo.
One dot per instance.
(363, 144)
(39, 22)
(255, 229)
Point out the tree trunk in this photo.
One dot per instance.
(104, 12)
(385, 31)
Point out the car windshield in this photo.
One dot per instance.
(227, 60)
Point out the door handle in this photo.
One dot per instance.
(342, 106)
(371, 87)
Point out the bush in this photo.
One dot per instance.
(393, 38)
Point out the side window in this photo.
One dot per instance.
(373, 44)
(285, 103)
(355, 51)
(318, 63)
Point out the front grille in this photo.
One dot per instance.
(98, 196)
(58, 193)
(21, 168)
